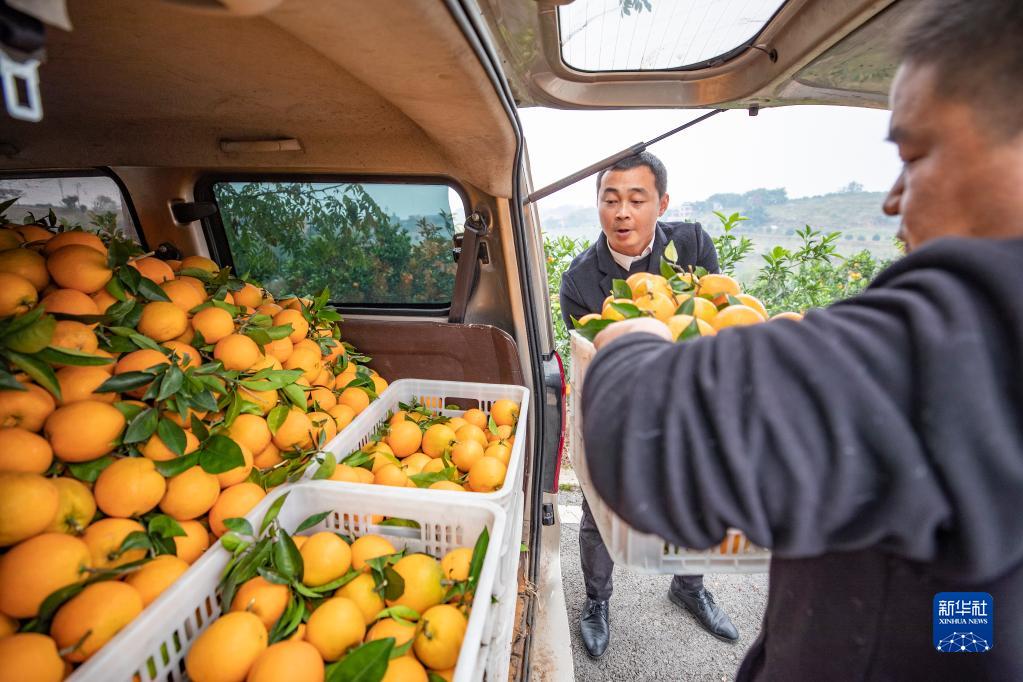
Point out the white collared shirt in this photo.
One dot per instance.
(627, 261)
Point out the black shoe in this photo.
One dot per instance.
(595, 628)
(701, 604)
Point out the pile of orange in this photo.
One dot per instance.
(420, 448)
(142, 403)
(689, 304)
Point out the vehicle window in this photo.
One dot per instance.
(93, 202)
(375, 243)
(650, 35)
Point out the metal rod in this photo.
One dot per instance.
(611, 160)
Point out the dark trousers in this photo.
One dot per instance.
(598, 565)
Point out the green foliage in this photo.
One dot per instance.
(560, 251)
(731, 249)
(300, 237)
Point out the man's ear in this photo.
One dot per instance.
(663, 205)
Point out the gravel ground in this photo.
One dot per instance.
(651, 638)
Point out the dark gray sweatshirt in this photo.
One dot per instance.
(876, 447)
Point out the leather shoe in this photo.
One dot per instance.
(701, 604)
(595, 628)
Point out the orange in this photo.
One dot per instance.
(269, 456)
(379, 384)
(80, 383)
(156, 450)
(290, 660)
(17, 294)
(237, 351)
(472, 432)
(234, 502)
(324, 424)
(487, 475)
(439, 637)
(249, 295)
(505, 412)
(9, 239)
(30, 656)
(500, 451)
(446, 485)
(343, 416)
(702, 308)
(95, 615)
(465, 453)
(26, 264)
(75, 237)
(438, 439)
(346, 474)
(153, 268)
(131, 486)
(27, 409)
(334, 627)
(369, 547)
(69, 302)
(388, 627)
(661, 306)
(239, 473)
(22, 450)
(435, 465)
(306, 359)
(187, 355)
(736, 316)
(455, 564)
(162, 321)
(355, 398)
(28, 503)
(227, 649)
(609, 313)
(753, 302)
(280, 349)
(323, 398)
(34, 232)
(717, 286)
(137, 361)
(679, 323)
(102, 299)
(404, 669)
(446, 675)
(190, 494)
(196, 284)
(346, 377)
(183, 294)
(84, 430)
(263, 598)
(37, 567)
(75, 336)
(79, 267)
(363, 592)
(190, 546)
(199, 263)
(213, 323)
(295, 431)
(390, 474)
(788, 316)
(414, 463)
(156, 576)
(264, 400)
(326, 558)
(251, 431)
(266, 362)
(643, 283)
(298, 324)
(476, 417)
(104, 538)
(423, 582)
(404, 438)
(75, 508)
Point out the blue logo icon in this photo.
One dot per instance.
(964, 622)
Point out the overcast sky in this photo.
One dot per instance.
(808, 150)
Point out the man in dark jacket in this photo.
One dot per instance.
(632, 195)
(876, 446)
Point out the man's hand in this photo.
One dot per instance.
(638, 325)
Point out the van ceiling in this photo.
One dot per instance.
(367, 87)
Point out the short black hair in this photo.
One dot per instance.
(642, 159)
(976, 50)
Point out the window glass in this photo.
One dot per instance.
(649, 35)
(377, 243)
(91, 201)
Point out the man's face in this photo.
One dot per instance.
(629, 208)
(958, 177)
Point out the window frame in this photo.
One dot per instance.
(215, 233)
(93, 172)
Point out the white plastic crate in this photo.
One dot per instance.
(436, 396)
(643, 551)
(507, 591)
(158, 640)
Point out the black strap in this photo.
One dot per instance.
(468, 265)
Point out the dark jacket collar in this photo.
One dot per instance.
(610, 270)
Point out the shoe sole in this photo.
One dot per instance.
(685, 607)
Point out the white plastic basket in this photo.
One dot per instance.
(507, 591)
(159, 638)
(643, 551)
(436, 396)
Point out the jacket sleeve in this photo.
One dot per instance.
(571, 301)
(707, 255)
(837, 433)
